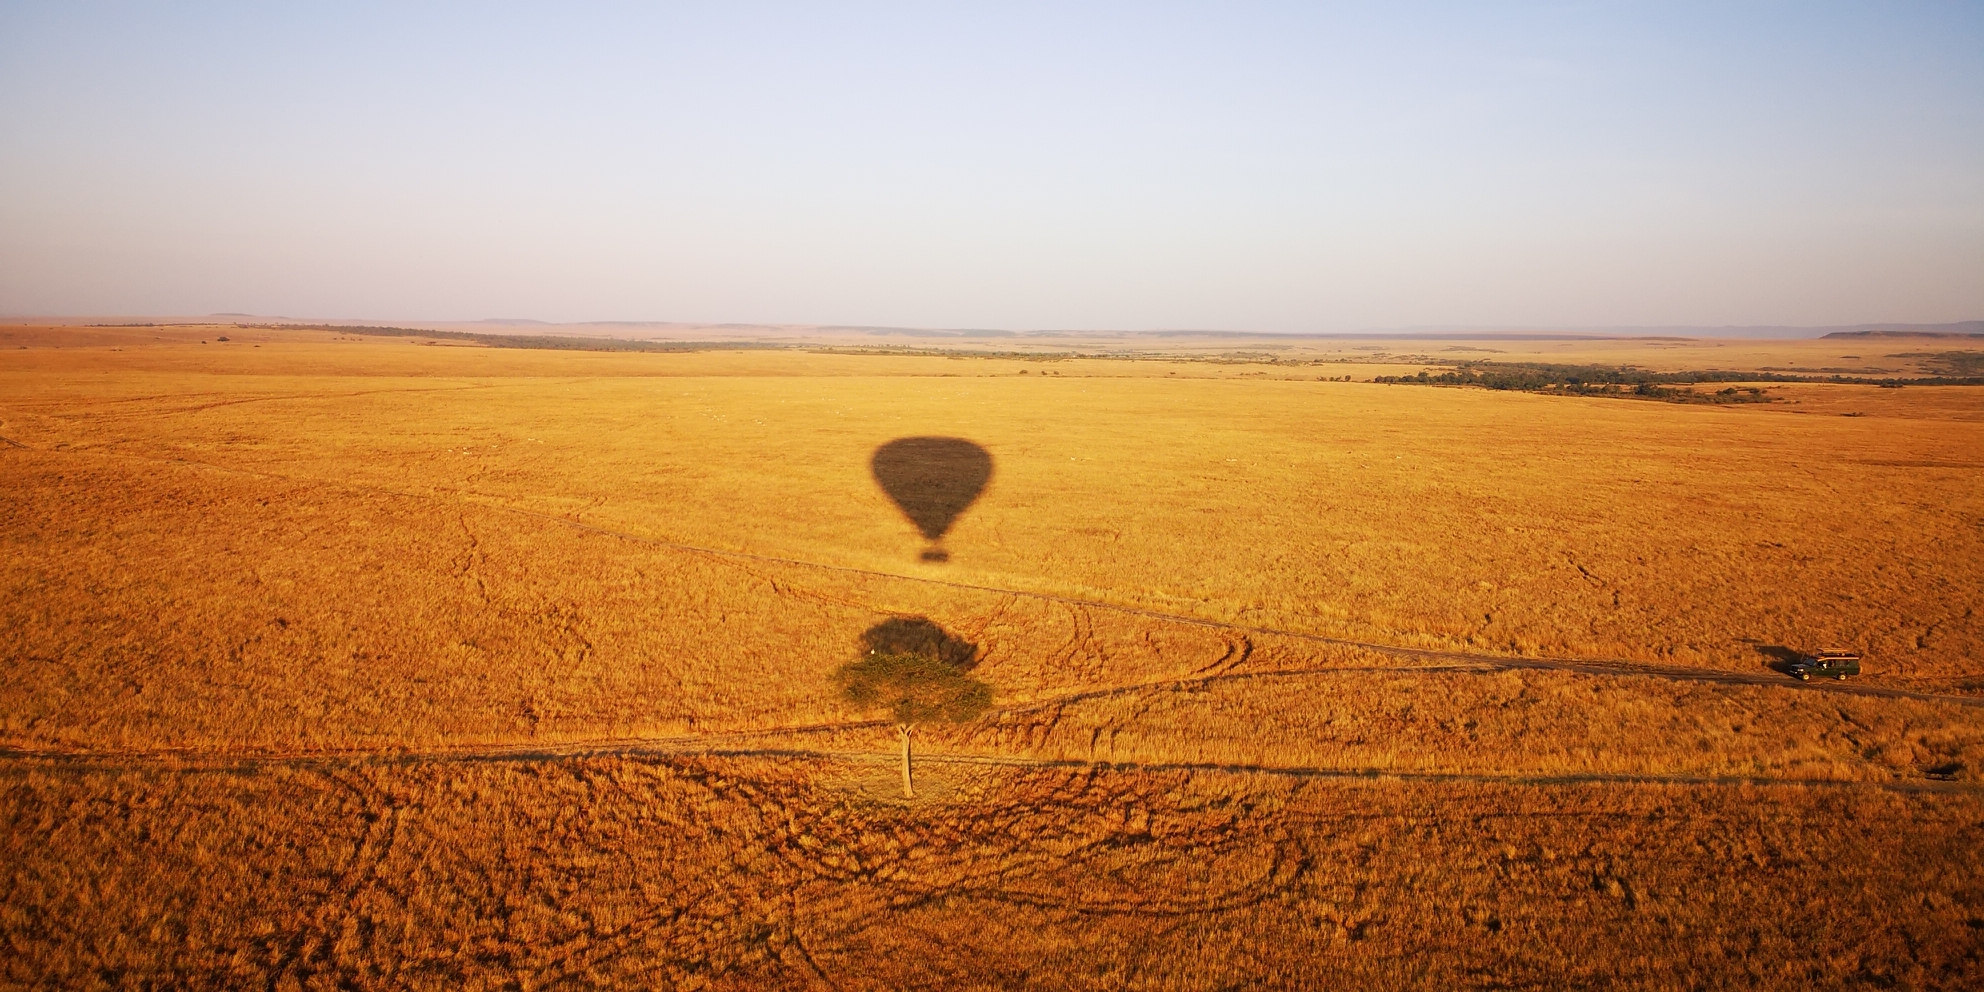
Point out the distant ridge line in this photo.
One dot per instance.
(1911, 334)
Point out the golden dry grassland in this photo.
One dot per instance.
(730, 874)
(368, 662)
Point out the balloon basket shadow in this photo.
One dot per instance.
(936, 554)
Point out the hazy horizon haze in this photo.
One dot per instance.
(1266, 167)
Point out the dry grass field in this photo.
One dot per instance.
(337, 661)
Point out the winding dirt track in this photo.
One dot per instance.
(1434, 659)
(712, 748)
(766, 743)
(1425, 660)
(1439, 660)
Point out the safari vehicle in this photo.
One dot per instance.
(1826, 665)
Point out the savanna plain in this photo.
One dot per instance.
(336, 660)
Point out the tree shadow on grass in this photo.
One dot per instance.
(923, 637)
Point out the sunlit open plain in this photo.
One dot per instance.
(345, 661)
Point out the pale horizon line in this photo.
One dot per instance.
(1446, 331)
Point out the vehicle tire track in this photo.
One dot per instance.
(700, 743)
(715, 749)
(1352, 774)
(1586, 666)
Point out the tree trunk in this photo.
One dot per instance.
(908, 790)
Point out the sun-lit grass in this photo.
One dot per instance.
(220, 562)
(629, 873)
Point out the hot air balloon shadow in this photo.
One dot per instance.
(932, 480)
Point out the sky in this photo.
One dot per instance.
(1281, 168)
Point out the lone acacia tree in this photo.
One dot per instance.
(919, 673)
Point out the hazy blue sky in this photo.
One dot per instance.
(1279, 167)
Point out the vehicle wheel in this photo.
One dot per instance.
(1804, 677)
(1842, 678)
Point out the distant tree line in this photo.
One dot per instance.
(1625, 381)
(1958, 363)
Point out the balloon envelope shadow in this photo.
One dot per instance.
(932, 480)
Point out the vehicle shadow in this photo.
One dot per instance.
(1778, 658)
(932, 480)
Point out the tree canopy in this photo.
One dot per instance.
(913, 688)
(916, 671)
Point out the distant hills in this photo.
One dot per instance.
(1967, 329)
(664, 329)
